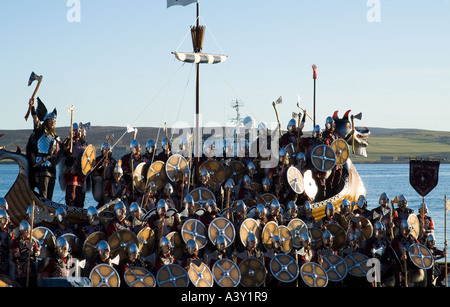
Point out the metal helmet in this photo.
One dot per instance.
(3, 203)
(266, 184)
(241, 209)
(260, 211)
(165, 246)
(305, 239)
(150, 146)
(30, 211)
(402, 201)
(162, 207)
(105, 146)
(118, 170)
(229, 184)
(431, 241)
(316, 131)
(93, 216)
(345, 206)
(276, 241)
(423, 208)
(329, 209)
(24, 228)
(308, 209)
(251, 241)
(60, 214)
(362, 202)
(135, 209)
(274, 207)
(204, 175)
(405, 228)
(135, 145)
(300, 158)
(120, 210)
(133, 251)
(221, 243)
(4, 217)
(189, 201)
(246, 181)
(353, 240)
(251, 169)
(191, 247)
(327, 238)
(291, 124)
(168, 188)
(165, 143)
(329, 123)
(152, 186)
(292, 207)
(103, 249)
(62, 247)
(384, 199)
(378, 230)
(212, 206)
(51, 115)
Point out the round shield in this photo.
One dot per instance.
(253, 272)
(104, 275)
(295, 179)
(200, 275)
(7, 282)
(172, 275)
(284, 268)
(119, 241)
(157, 174)
(309, 184)
(421, 256)
(146, 239)
(314, 275)
(357, 264)
(297, 227)
(201, 196)
(366, 227)
(316, 237)
(46, 240)
(255, 187)
(235, 170)
(139, 277)
(226, 273)
(175, 167)
(249, 225)
(335, 267)
(90, 244)
(290, 153)
(75, 247)
(266, 199)
(221, 226)
(269, 231)
(339, 236)
(216, 171)
(323, 158)
(139, 177)
(286, 238)
(340, 148)
(177, 243)
(88, 159)
(414, 224)
(195, 229)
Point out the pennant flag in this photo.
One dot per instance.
(447, 205)
(179, 2)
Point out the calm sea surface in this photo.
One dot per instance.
(378, 178)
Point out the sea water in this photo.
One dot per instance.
(393, 179)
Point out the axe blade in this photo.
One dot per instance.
(358, 116)
(279, 100)
(33, 77)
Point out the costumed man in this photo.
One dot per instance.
(150, 197)
(402, 212)
(164, 256)
(426, 224)
(61, 225)
(361, 209)
(160, 224)
(219, 253)
(190, 255)
(74, 179)
(119, 220)
(60, 263)
(24, 250)
(135, 218)
(128, 163)
(275, 212)
(384, 214)
(6, 237)
(116, 188)
(166, 150)
(436, 274)
(102, 256)
(167, 195)
(133, 259)
(246, 189)
(43, 150)
(319, 177)
(306, 253)
(149, 156)
(251, 250)
(103, 172)
(329, 136)
(91, 225)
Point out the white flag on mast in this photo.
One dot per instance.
(447, 205)
(179, 2)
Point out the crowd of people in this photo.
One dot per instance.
(243, 196)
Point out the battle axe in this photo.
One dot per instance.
(33, 77)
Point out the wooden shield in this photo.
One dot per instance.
(235, 170)
(366, 227)
(323, 158)
(139, 277)
(423, 175)
(216, 171)
(195, 229)
(75, 246)
(249, 225)
(339, 234)
(200, 275)
(88, 159)
(201, 196)
(90, 244)
(226, 273)
(269, 230)
(146, 239)
(414, 223)
(266, 199)
(172, 275)
(314, 275)
(119, 241)
(140, 177)
(316, 237)
(295, 179)
(290, 153)
(297, 227)
(286, 238)
(221, 226)
(421, 256)
(177, 243)
(253, 272)
(157, 173)
(357, 264)
(284, 268)
(175, 167)
(104, 275)
(7, 282)
(341, 150)
(335, 267)
(45, 239)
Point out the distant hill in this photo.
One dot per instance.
(386, 145)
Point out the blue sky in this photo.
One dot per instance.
(115, 65)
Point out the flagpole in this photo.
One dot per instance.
(314, 67)
(445, 239)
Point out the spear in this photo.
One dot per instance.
(314, 67)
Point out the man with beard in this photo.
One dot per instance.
(59, 265)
